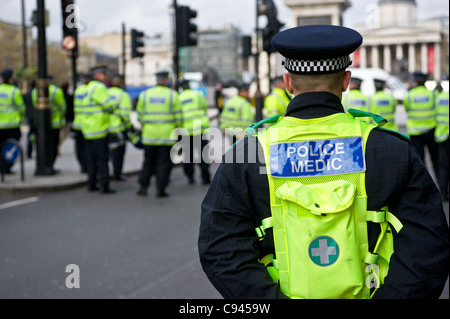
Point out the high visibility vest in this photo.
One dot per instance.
(57, 104)
(120, 118)
(236, 114)
(419, 104)
(12, 107)
(442, 128)
(159, 112)
(80, 104)
(384, 104)
(276, 102)
(355, 99)
(194, 107)
(96, 115)
(316, 173)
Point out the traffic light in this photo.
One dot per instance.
(136, 43)
(268, 8)
(246, 46)
(185, 28)
(70, 31)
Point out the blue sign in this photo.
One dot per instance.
(317, 158)
(10, 152)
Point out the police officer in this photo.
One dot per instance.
(242, 196)
(95, 128)
(120, 123)
(355, 99)
(385, 104)
(237, 114)
(58, 121)
(441, 138)
(195, 122)
(277, 101)
(421, 123)
(80, 107)
(159, 112)
(12, 111)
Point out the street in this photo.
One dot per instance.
(125, 246)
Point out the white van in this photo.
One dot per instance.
(367, 75)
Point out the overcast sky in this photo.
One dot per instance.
(153, 16)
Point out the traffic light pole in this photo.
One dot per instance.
(176, 64)
(43, 109)
(258, 95)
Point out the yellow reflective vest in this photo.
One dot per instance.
(120, 118)
(276, 102)
(57, 104)
(420, 105)
(384, 104)
(316, 173)
(194, 107)
(96, 113)
(12, 107)
(236, 114)
(159, 112)
(442, 114)
(80, 104)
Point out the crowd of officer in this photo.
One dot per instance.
(101, 123)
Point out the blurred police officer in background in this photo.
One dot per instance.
(306, 175)
(385, 104)
(120, 123)
(58, 118)
(195, 122)
(12, 111)
(95, 128)
(159, 112)
(237, 114)
(441, 137)
(420, 126)
(80, 107)
(355, 99)
(277, 101)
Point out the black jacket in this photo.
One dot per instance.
(238, 200)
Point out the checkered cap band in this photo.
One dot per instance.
(317, 66)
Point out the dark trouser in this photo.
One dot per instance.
(443, 177)
(188, 157)
(13, 133)
(117, 156)
(156, 162)
(80, 150)
(427, 139)
(97, 162)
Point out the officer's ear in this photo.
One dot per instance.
(346, 80)
(288, 82)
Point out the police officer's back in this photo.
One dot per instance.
(95, 128)
(311, 159)
(277, 101)
(12, 110)
(384, 104)
(159, 112)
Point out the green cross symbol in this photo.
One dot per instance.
(323, 251)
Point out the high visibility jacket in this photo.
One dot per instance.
(120, 118)
(420, 105)
(80, 104)
(96, 114)
(385, 104)
(57, 103)
(12, 107)
(355, 99)
(159, 112)
(316, 173)
(194, 107)
(442, 128)
(276, 102)
(236, 114)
